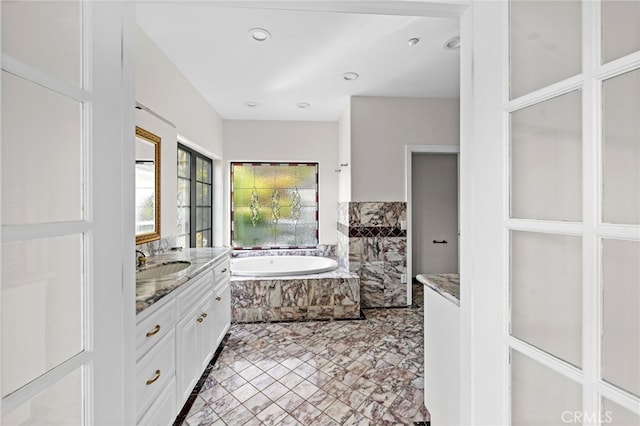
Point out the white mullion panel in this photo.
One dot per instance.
(590, 127)
(624, 232)
(15, 233)
(30, 73)
(33, 388)
(618, 66)
(544, 94)
(556, 364)
(545, 226)
(615, 394)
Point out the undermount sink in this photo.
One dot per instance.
(162, 270)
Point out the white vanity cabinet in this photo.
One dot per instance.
(176, 338)
(194, 333)
(222, 301)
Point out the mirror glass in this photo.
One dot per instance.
(147, 186)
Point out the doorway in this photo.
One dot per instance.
(432, 213)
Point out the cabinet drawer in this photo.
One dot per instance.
(222, 270)
(155, 371)
(193, 294)
(163, 410)
(154, 327)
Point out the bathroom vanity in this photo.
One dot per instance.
(181, 320)
(442, 347)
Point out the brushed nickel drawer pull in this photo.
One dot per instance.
(204, 315)
(218, 298)
(157, 376)
(200, 319)
(154, 331)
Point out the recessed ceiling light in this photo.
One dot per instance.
(413, 41)
(251, 104)
(303, 105)
(452, 44)
(259, 34)
(350, 76)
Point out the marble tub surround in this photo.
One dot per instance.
(149, 291)
(448, 285)
(323, 250)
(372, 243)
(367, 372)
(329, 295)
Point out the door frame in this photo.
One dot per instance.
(409, 150)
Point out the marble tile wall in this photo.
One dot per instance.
(332, 295)
(372, 244)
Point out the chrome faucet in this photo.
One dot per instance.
(141, 258)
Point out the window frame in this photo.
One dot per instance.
(193, 206)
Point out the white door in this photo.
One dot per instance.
(552, 182)
(66, 138)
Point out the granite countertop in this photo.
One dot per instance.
(447, 285)
(149, 291)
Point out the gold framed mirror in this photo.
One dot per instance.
(147, 186)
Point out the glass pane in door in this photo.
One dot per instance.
(46, 35)
(546, 160)
(620, 28)
(621, 314)
(545, 44)
(42, 307)
(42, 175)
(546, 293)
(621, 149)
(61, 404)
(540, 396)
(615, 415)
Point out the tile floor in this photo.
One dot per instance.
(360, 372)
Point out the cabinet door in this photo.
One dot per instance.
(205, 332)
(188, 363)
(222, 309)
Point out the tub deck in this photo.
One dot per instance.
(328, 295)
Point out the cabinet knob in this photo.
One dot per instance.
(200, 319)
(218, 298)
(204, 315)
(156, 377)
(154, 331)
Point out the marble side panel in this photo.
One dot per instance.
(393, 272)
(320, 312)
(347, 291)
(320, 292)
(395, 295)
(395, 249)
(346, 311)
(294, 293)
(254, 314)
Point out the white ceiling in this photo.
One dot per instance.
(306, 57)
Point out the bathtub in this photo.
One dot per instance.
(278, 266)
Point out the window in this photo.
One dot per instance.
(195, 184)
(274, 205)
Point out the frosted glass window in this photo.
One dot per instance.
(615, 415)
(621, 149)
(274, 205)
(540, 396)
(546, 160)
(546, 293)
(621, 314)
(58, 405)
(620, 28)
(42, 176)
(544, 43)
(46, 35)
(42, 307)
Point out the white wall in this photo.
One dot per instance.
(161, 87)
(381, 127)
(344, 156)
(290, 141)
